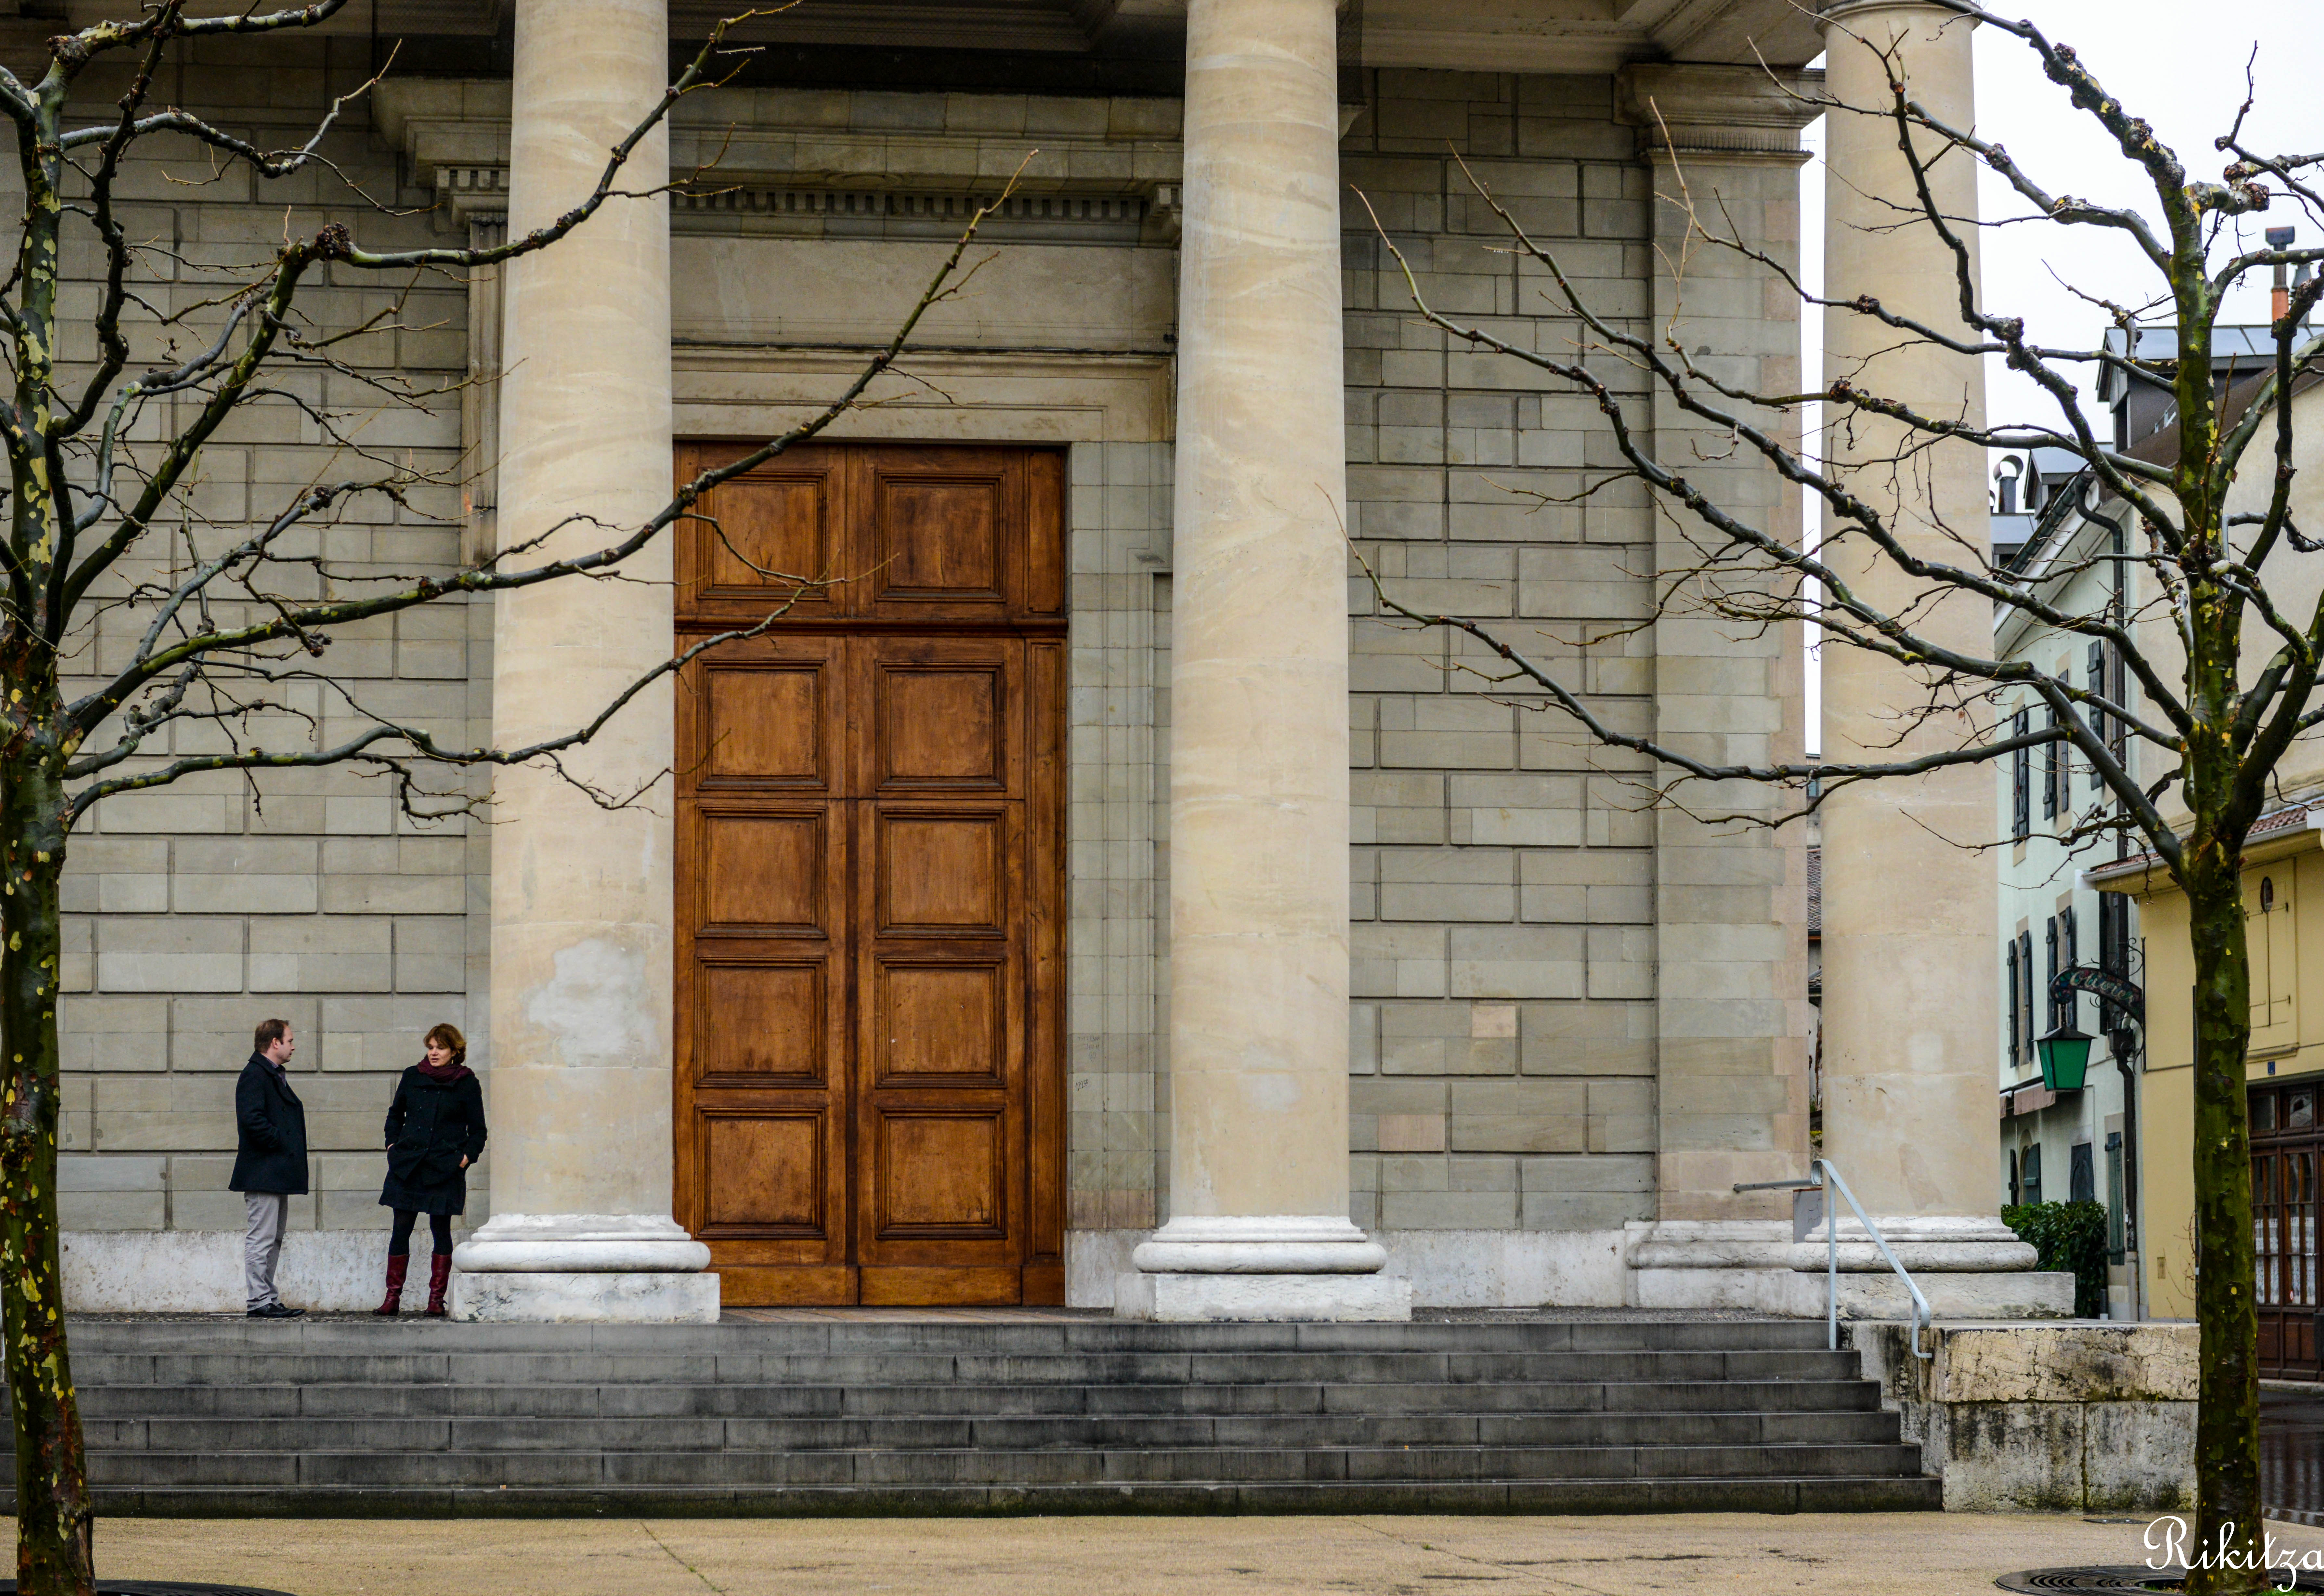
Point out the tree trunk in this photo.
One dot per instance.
(54, 1555)
(2226, 1424)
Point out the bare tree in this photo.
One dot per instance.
(227, 626)
(2217, 725)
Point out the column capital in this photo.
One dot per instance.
(1695, 113)
(1833, 11)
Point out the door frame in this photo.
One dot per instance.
(2290, 1335)
(1032, 611)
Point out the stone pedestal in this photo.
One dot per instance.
(2018, 1418)
(582, 944)
(1757, 1266)
(1259, 772)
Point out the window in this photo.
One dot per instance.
(2115, 1238)
(2050, 982)
(2118, 689)
(2051, 767)
(2095, 680)
(2013, 1175)
(2029, 1174)
(2069, 1007)
(2021, 778)
(2114, 951)
(2082, 1178)
(2010, 964)
(2025, 963)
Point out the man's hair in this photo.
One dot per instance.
(269, 1031)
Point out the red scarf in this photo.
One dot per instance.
(449, 1073)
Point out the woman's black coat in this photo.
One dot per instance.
(431, 1126)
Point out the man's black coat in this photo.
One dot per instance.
(271, 1151)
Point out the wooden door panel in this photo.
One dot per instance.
(938, 1176)
(765, 874)
(939, 1024)
(765, 540)
(946, 716)
(766, 727)
(765, 1023)
(938, 874)
(889, 1286)
(940, 728)
(773, 1177)
(938, 524)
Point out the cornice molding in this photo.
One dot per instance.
(1693, 114)
(1086, 170)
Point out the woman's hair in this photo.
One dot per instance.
(449, 1034)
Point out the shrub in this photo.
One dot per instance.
(2067, 1236)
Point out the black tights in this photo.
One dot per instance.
(439, 1230)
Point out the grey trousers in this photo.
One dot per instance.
(262, 1248)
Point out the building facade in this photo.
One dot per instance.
(1086, 896)
(2082, 1143)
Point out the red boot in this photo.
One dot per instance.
(440, 1275)
(397, 1263)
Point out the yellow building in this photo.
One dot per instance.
(2283, 897)
(2283, 906)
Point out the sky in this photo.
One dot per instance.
(2180, 64)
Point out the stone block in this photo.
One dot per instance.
(611, 1298)
(1410, 1133)
(107, 1033)
(1448, 1211)
(217, 1033)
(173, 955)
(1189, 1299)
(326, 953)
(1516, 962)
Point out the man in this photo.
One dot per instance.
(269, 1163)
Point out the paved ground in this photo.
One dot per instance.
(1732, 1555)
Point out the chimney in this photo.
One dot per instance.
(2280, 302)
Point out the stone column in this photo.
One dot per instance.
(1909, 911)
(581, 963)
(1258, 746)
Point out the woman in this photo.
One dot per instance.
(435, 1130)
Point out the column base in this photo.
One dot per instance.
(1204, 1299)
(608, 1269)
(1755, 1266)
(596, 1298)
(1972, 1243)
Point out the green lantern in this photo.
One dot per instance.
(2065, 1055)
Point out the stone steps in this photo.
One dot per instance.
(867, 1416)
(1273, 1429)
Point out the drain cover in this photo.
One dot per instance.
(2131, 1580)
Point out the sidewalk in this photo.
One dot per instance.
(1897, 1555)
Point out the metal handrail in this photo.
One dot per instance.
(1823, 1177)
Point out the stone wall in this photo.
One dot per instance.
(1504, 876)
(197, 909)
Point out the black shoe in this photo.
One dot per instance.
(276, 1310)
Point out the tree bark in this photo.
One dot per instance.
(2226, 1427)
(54, 1553)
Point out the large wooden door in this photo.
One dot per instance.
(870, 879)
(2287, 1168)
